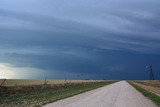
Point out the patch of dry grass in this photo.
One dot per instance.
(37, 95)
(154, 83)
(24, 82)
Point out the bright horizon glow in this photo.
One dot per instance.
(8, 71)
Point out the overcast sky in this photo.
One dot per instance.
(79, 39)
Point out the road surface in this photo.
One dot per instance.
(119, 94)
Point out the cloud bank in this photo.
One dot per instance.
(81, 39)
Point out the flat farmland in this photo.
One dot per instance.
(154, 83)
(22, 93)
(25, 82)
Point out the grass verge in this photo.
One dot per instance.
(46, 95)
(155, 98)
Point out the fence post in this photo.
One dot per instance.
(3, 82)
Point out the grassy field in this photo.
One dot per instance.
(154, 97)
(37, 93)
(155, 83)
(24, 82)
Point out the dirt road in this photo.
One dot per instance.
(120, 94)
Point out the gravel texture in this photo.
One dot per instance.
(119, 94)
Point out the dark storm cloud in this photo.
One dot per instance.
(111, 39)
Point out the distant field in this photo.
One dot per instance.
(24, 93)
(19, 82)
(154, 83)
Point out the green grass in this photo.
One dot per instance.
(155, 98)
(41, 97)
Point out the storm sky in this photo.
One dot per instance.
(79, 39)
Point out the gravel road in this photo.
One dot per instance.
(119, 94)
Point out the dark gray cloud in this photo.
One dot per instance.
(82, 38)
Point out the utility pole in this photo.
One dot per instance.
(151, 75)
